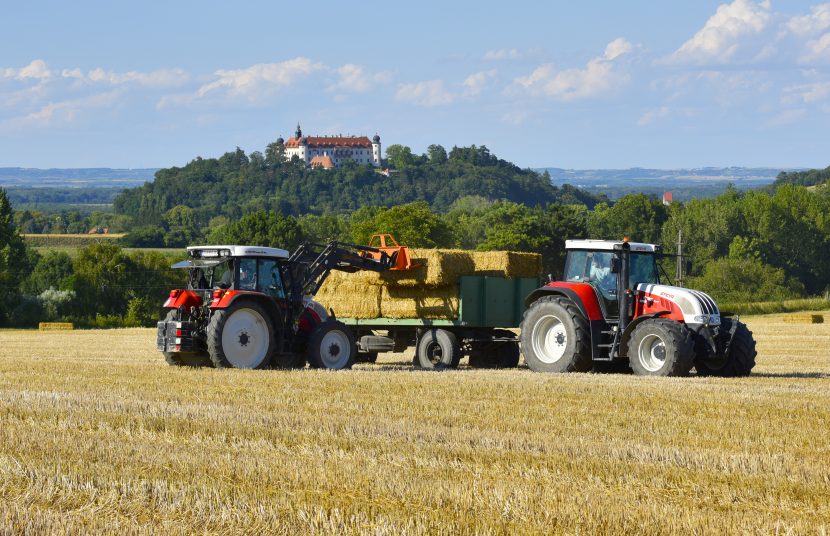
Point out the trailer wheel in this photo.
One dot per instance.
(332, 346)
(661, 347)
(241, 336)
(177, 359)
(555, 336)
(741, 358)
(496, 354)
(437, 349)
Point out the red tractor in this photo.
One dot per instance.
(252, 307)
(611, 308)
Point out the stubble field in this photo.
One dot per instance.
(98, 434)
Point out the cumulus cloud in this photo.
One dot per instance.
(807, 93)
(63, 112)
(477, 82)
(725, 33)
(815, 22)
(653, 115)
(37, 69)
(599, 77)
(428, 93)
(258, 81)
(356, 79)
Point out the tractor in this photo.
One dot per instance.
(252, 307)
(611, 311)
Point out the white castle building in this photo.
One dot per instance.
(332, 151)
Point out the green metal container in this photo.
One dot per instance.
(485, 301)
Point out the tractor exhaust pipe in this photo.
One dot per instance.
(622, 285)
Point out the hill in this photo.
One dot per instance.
(810, 177)
(74, 177)
(236, 183)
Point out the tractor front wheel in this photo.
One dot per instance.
(661, 347)
(555, 336)
(741, 357)
(332, 346)
(241, 336)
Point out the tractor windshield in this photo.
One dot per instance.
(643, 270)
(595, 267)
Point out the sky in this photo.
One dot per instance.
(586, 85)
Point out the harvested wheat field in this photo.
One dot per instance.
(98, 434)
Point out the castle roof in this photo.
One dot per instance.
(323, 161)
(362, 142)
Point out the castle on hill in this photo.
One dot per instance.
(331, 151)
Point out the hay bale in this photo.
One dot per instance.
(432, 303)
(443, 267)
(350, 299)
(507, 263)
(55, 326)
(804, 318)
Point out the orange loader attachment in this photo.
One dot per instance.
(387, 244)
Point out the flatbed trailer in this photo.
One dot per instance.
(490, 308)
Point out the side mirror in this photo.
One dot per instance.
(615, 265)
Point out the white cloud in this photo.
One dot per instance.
(156, 79)
(63, 112)
(787, 117)
(817, 50)
(37, 69)
(600, 76)
(258, 81)
(805, 25)
(502, 54)
(725, 33)
(653, 115)
(428, 93)
(807, 93)
(356, 79)
(477, 82)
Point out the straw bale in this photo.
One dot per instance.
(349, 299)
(804, 318)
(431, 303)
(56, 326)
(507, 263)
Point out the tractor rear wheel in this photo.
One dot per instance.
(241, 336)
(178, 359)
(332, 346)
(437, 349)
(661, 347)
(741, 358)
(555, 336)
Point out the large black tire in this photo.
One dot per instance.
(741, 358)
(176, 359)
(437, 349)
(661, 347)
(555, 336)
(331, 346)
(241, 336)
(496, 354)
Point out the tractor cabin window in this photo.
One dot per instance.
(269, 280)
(247, 274)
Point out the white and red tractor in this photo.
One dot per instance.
(611, 309)
(252, 307)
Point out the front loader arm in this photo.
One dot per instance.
(335, 255)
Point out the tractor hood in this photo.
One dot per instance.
(697, 307)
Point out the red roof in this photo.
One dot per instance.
(332, 141)
(323, 161)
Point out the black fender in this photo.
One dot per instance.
(629, 329)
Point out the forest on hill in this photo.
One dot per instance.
(810, 177)
(236, 184)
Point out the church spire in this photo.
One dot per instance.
(299, 133)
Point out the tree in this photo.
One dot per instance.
(53, 271)
(269, 229)
(103, 276)
(746, 280)
(13, 259)
(637, 216)
(400, 156)
(413, 224)
(436, 154)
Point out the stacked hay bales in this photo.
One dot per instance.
(430, 290)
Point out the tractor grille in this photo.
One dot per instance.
(707, 304)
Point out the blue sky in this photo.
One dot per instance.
(561, 84)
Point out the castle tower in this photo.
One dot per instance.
(376, 153)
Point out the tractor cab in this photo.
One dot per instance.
(235, 268)
(599, 263)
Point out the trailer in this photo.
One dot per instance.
(490, 309)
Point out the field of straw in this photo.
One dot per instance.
(98, 434)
